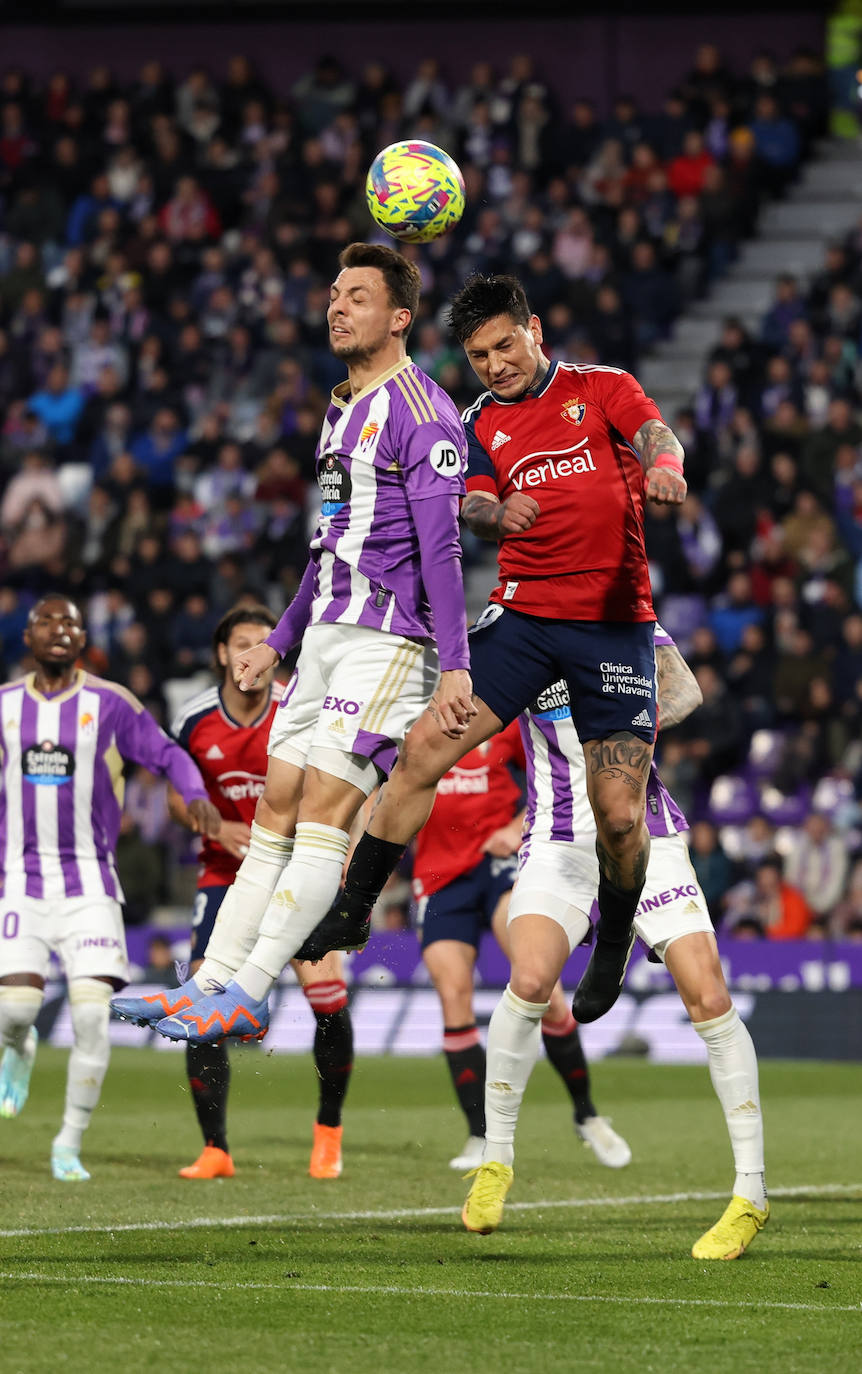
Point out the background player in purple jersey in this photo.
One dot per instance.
(548, 911)
(65, 737)
(383, 583)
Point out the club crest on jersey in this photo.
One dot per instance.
(87, 723)
(574, 411)
(367, 434)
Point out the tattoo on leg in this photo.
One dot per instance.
(610, 866)
(622, 750)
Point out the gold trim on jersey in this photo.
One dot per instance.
(70, 691)
(341, 395)
(422, 399)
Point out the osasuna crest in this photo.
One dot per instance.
(574, 411)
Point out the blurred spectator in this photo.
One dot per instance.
(817, 865)
(712, 866)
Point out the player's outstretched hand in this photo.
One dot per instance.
(235, 837)
(519, 512)
(665, 487)
(203, 817)
(504, 842)
(452, 703)
(248, 665)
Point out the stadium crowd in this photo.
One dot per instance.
(166, 248)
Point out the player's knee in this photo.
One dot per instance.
(618, 824)
(88, 1006)
(531, 984)
(710, 1002)
(19, 1007)
(422, 758)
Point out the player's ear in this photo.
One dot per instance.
(221, 655)
(535, 328)
(401, 321)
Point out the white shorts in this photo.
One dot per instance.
(85, 933)
(353, 697)
(560, 879)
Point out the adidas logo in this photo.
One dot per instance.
(499, 440)
(643, 719)
(284, 897)
(337, 726)
(214, 753)
(690, 909)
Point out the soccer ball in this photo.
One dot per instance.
(414, 191)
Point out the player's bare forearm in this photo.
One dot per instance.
(488, 518)
(661, 456)
(678, 690)
(481, 512)
(177, 809)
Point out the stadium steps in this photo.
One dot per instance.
(792, 237)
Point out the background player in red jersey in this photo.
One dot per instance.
(561, 459)
(226, 731)
(464, 870)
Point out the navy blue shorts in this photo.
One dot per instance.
(206, 908)
(463, 909)
(609, 667)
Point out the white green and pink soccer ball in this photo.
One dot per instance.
(415, 191)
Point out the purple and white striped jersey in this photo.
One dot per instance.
(386, 553)
(557, 803)
(61, 762)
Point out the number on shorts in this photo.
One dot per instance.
(200, 909)
(11, 921)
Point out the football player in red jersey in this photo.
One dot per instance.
(464, 869)
(226, 731)
(561, 459)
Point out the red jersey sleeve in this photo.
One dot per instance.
(624, 402)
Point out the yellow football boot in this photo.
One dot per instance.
(734, 1231)
(483, 1210)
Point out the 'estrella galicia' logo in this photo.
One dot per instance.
(47, 764)
(335, 485)
(553, 703)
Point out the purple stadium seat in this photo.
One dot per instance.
(732, 800)
(832, 795)
(681, 616)
(764, 753)
(786, 808)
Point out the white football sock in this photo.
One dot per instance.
(238, 922)
(19, 1007)
(88, 1061)
(305, 894)
(733, 1070)
(514, 1040)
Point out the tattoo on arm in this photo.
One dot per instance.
(655, 437)
(678, 691)
(481, 513)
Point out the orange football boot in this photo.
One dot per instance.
(211, 1163)
(326, 1151)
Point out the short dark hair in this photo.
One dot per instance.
(403, 282)
(254, 614)
(54, 596)
(484, 298)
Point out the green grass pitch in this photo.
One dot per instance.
(139, 1270)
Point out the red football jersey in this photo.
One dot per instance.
(232, 760)
(568, 445)
(475, 798)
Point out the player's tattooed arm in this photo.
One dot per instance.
(662, 456)
(678, 690)
(490, 519)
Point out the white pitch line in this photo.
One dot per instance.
(392, 1290)
(415, 1213)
